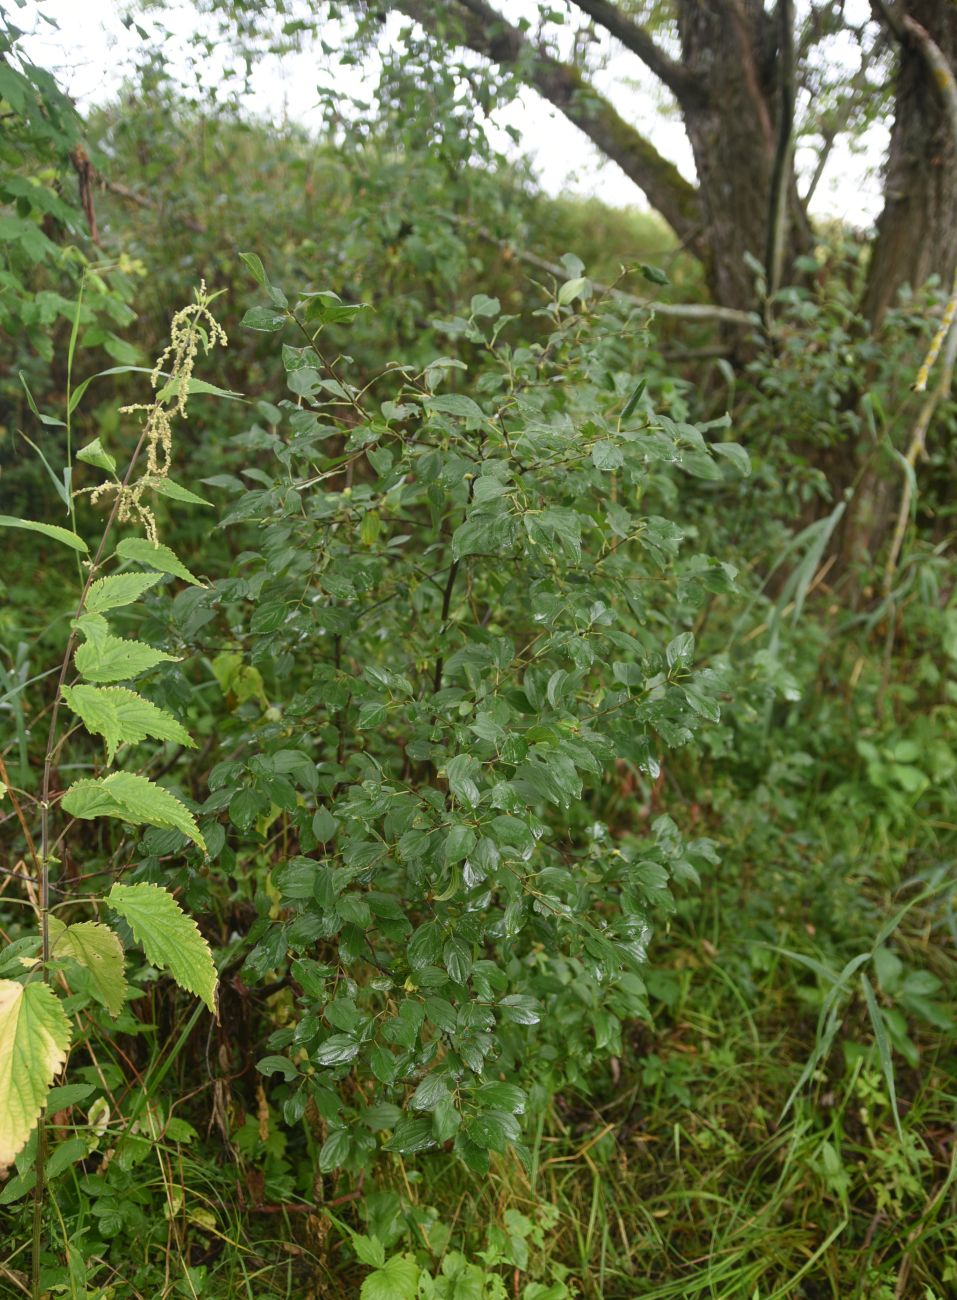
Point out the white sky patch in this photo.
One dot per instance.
(92, 52)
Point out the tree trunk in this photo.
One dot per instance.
(731, 121)
(917, 230)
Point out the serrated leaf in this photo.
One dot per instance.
(121, 717)
(134, 799)
(34, 1040)
(157, 556)
(98, 948)
(369, 1250)
(48, 530)
(169, 938)
(108, 658)
(398, 1279)
(123, 589)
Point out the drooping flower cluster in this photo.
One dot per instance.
(191, 328)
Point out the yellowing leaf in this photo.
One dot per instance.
(123, 717)
(34, 1040)
(169, 937)
(133, 798)
(157, 556)
(108, 658)
(98, 948)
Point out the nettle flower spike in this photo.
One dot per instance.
(192, 327)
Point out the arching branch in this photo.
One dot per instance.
(633, 36)
(479, 27)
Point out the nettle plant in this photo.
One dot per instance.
(48, 978)
(457, 621)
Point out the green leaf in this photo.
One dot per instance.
(278, 1065)
(122, 717)
(98, 948)
(254, 262)
(456, 404)
(579, 287)
(107, 658)
(94, 453)
(737, 455)
(134, 799)
(48, 530)
(337, 1050)
(34, 1041)
(265, 319)
(65, 1154)
(370, 1250)
(883, 1048)
(123, 589)
(167, 487)
(398, 1279)
(653, 274)
(169, 938)
(157, 556)
(335, 1151)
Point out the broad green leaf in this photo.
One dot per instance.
(168, 488)
(48, 530)
(157, 556)
(170, 939)
(134, 799)
(98, 948)
(122, 717)
(123, 589)
(398, 1279)
(265, 319)
(34, 1040)
(456, 404)
(579, 287)
(65, 1154)
(369, 1250)
(108, 658)
(94, 453)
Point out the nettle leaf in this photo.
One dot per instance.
(156, 556)
(34, 1041)
(134, 799)
(123, 589)
(108, 658)
(169, 938)
(123, 717)
(48, 530)
(98, 948)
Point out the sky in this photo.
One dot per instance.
(91, 51)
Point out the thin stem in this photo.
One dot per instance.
(48, 765)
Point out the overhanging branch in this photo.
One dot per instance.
(479, 27)
(633, 36)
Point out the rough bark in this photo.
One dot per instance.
(726, 84)
(733, 130)
(917, 229)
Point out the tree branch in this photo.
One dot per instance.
(677, 78)
(475, 24)
(781, 171)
